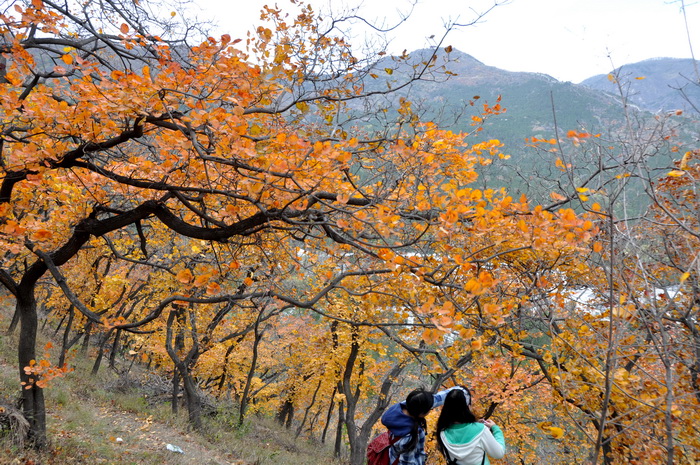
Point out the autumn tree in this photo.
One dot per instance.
(115, 128)
(618, 347)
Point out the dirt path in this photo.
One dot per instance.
(135, 436)
(130, 436)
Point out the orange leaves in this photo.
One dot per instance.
(109, 323)
(477, 344)
(579, 229)
(41, 235)
(213, 288)
(557, 197)
(445, 320)
(481, 284)
(431, 335)
(40, 373)
(572, 134)
(13, 228)
(560, 164)
(184, 276)
(124, 28)
(578, 137)
(204, 277)
(536, 141)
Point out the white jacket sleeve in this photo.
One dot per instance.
(492, 447)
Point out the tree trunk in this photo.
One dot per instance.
(339, 430)
(33, 404)
(193, 401)
(257, 337)
(176, 391)
(66, 335)
(329, 415)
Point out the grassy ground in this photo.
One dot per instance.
(109, 419)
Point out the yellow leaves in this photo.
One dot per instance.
(173, 14)
(554, 431)
(684, 161)
(302, 106)
(612, 78)
(522, 226)
(624, 311)
(684, 277)
(675, 173)
(389, 71)
(560, 164)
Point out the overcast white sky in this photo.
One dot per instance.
(567, 39)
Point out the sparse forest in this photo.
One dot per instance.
(267, 219)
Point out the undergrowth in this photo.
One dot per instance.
(113, 418)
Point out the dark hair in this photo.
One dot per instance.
(418, 404)
(455, 411)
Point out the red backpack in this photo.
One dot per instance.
(378, 449)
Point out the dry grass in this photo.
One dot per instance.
(109, 419)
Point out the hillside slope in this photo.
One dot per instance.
(658, 84)
(113, 419)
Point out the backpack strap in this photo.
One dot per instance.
(393, 440)
(450, 460)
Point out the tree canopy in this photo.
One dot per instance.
(256, 216)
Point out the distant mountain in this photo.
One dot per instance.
(536, 105)
(533, 101)
(658, 84)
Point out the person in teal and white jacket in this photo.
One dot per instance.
(463, 439)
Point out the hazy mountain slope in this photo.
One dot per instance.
(536, 105)
(532, 100)
(654, 84)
